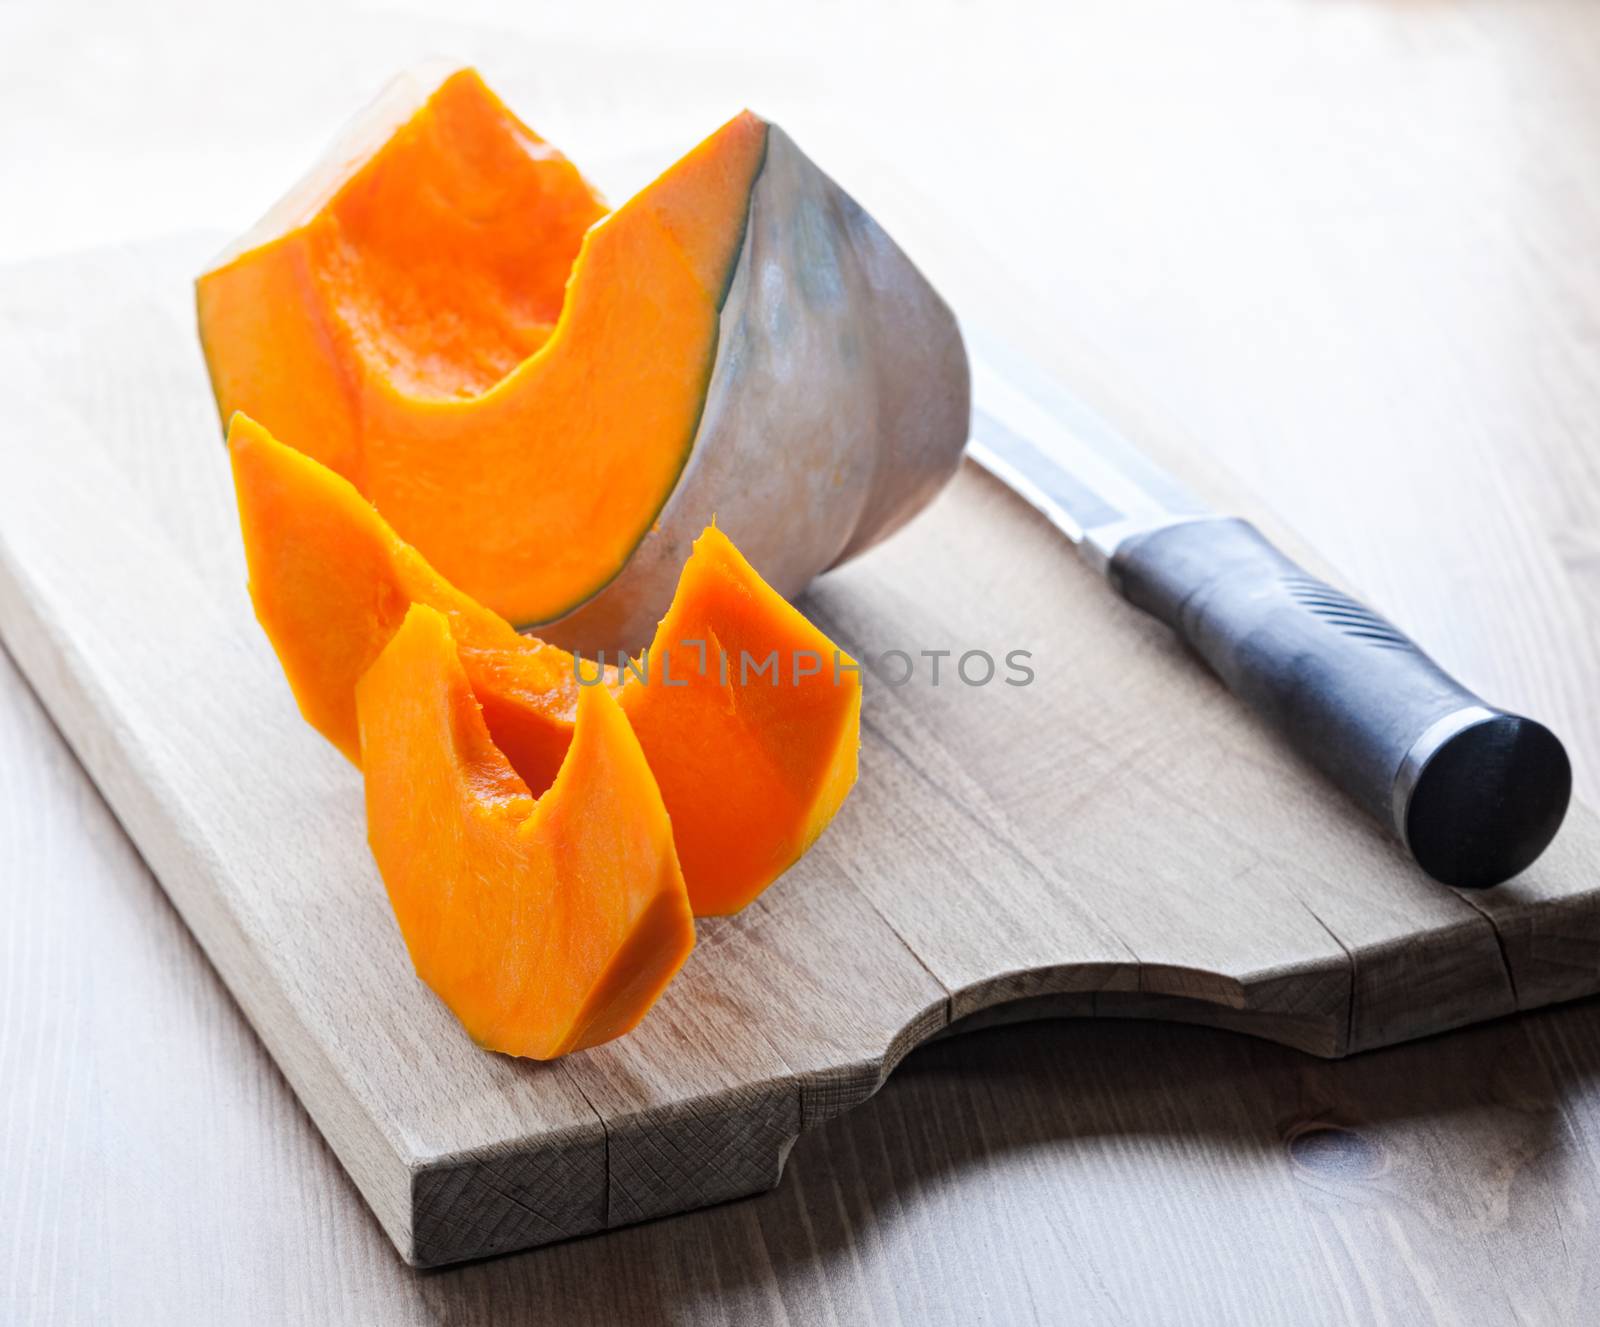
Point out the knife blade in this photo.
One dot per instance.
(1474, 792)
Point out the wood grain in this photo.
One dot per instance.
(1346, 248)
(1117, 830)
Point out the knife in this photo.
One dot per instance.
(1474, 792)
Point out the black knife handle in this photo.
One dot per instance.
(1473, 792)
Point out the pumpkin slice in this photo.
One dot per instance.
(546, 925)
(423, 283)
(751, 717)
(751, 764)
(550, 402)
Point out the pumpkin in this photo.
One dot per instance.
(546, 925)
(748, 715)
(550, 401)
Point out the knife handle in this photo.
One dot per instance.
(1474, 793)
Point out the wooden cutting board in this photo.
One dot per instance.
(1116, 838)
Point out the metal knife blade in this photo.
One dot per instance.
(1056, 452)
(1474, 792)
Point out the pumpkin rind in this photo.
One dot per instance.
(838, 407)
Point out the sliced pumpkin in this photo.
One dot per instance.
(738, 341)
(546, 924)
(753, 757)
(407, 318)
(751, 717)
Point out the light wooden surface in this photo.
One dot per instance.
(1350, 249)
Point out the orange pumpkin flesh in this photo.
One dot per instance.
(751, 717)
(545, 925)
(331, 582)
(392, 318)
(751, 765)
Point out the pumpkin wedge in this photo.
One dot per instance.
(550, 401)
(751, 717)
(546, 925)
(748, 715)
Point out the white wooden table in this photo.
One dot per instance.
(1349, 250)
